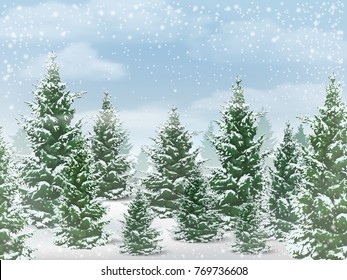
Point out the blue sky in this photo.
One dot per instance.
(154, 54)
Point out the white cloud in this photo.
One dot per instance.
(79, 61)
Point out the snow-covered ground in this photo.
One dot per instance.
(45, 248)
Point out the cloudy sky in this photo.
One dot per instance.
(153, 54)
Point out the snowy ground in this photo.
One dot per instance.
(42, 241)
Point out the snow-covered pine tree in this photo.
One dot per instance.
(142, 165)
(197, 219)
(112, 167)
(286, 176)
(208, 151)
(173, 160)
(80, 212)
(239, 152)
(241, 175)
(250, 234)
(323, 200)
(264, 128)
(49, 133)
(21, 143)
(12, 215)
(300, 137)
(139, 238)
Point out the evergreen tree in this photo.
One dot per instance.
(208, 151)
(21, 144)
(197, 218)
(111, 166)
(80, 213)
(323, 199)
(250, 234)
(173, 160)
(241, 175)
(286, 175)
(12, 216)
(139, 238)
(264, 129)
(142, 164)
(239, 153)
(49, 132)
(301, 137)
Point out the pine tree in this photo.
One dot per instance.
(21, 144)
(197, 220)
(239, 154)
(208, 151)
(12, 215)
(112, 167)
(142, 164)
(139, 238)
(323, 199)
(80, 213)
(240, 177)
(49, 133)
(264, 129)
(286, 175)
(250, 235)
(174, 160)
(301, 137)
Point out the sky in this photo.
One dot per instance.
(151, 55)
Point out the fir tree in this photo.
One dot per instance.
(264, 129)
(12, 215)
(208, 151)
(142, 164)
(197, 218)
(21, 144)
(139, 238)
(240, 177)
(301, 137)
(323, 199)
(49, 133)
(286, 175)
(111, 166)
(174, 160)
(250, 235)
(239, 153)
(80, 213)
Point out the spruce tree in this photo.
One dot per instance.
(49, 133)
(80, 212)
(250, 234)
(264, 129)
(239, 153)
(197, 218)
(208, 151)
(142, 164)
(12, 215)
(173, 160)
(139, 238)
(240, 179)
(286, 175)
(300, 137)
(111, 165)
(21, 144)
(323, 199)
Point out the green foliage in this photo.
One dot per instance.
(12, 217)
(49, 132)
(323, 200)
(80, 213)
(208, 151)
(139, 238)
(197, 218)
(108, 144)
(264, 129)
(173, 160)
(286, 176)
(239, 153)
(301, 138)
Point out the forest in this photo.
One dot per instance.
(241, 181)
